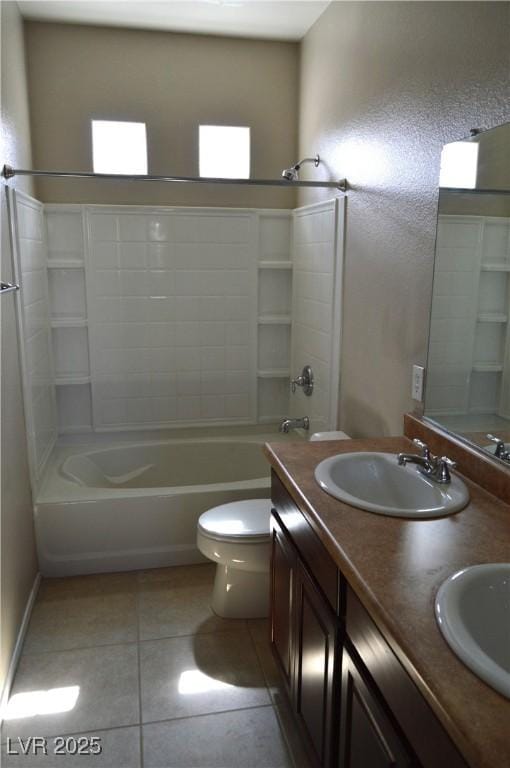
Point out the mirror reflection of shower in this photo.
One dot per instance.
(292, 174)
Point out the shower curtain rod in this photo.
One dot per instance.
(8, 173)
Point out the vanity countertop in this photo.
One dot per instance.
(396, 566)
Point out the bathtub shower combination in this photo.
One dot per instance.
(157, 352)
(136, 505)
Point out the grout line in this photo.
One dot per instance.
(275, 706)
(259, 662)
(139, 661)
(134, 642)
(155, 722)
(31, 654)
(206, 714)
(225, 631)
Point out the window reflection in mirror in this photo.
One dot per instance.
(468, 373)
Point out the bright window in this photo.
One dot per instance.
(459, 163)
(224, 152)
(119, 147)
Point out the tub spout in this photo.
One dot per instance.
(288, 424)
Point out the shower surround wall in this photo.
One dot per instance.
(172, 316)
(165, 317)
(156, 317)
(30, 259)
(318, 235)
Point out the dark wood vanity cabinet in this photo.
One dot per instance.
(305, 631)
(283, 578)
(316, 640)
(368, 739)
(351, 697)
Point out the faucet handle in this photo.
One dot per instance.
(442, 472)
(425, 451)
(304, 380)
(500, 445)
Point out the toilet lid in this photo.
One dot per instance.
(238, 520)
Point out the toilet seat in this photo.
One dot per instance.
(241, 521)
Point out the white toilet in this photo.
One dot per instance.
(237, 537)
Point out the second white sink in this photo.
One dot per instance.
(376, 483)
(473, 613)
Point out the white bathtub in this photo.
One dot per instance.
(122, 506)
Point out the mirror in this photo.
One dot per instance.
(468, 372)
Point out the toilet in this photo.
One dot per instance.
(237, 537)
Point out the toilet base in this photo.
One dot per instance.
(240, 594)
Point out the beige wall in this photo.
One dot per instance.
(19, 563)
(383, 86)
(173, 82)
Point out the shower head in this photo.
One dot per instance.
(292, 174)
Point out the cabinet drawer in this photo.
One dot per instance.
(416, 719)
(308, 544)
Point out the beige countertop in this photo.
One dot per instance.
(396, 566)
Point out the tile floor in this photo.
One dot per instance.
(140, 661)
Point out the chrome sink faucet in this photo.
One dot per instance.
(500, 451)
(437, 469)
(288, 424)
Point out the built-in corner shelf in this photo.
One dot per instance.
(492, 317)
(64, 381)
(487, 367)
(65, 263)
(273, 374)
(496, 267)
(275, 264)
(69, 322)
(273, 320)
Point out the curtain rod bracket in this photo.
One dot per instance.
(8, 172)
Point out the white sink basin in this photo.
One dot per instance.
(473, 613)
(376, 483)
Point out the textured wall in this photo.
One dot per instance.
(173, 83)
(19, 564)
(383, 86)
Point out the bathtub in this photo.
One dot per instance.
(127, 505)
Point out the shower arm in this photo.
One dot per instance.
(8, 173)
(315, 160)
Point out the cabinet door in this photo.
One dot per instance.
(316, 638)
(283, 567)
(368, 738)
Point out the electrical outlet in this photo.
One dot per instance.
(417, 385)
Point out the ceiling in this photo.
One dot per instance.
(283, 20)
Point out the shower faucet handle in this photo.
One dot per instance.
(305, 381)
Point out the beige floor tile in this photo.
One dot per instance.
(275, 684)
(177, 601)
(250, 738)
(67, 617)
(120, 749)
(259, 630)
(178, 575)
(97, 583)
(75, 691)
(267, 662)
(186, 676)
(290, 731)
